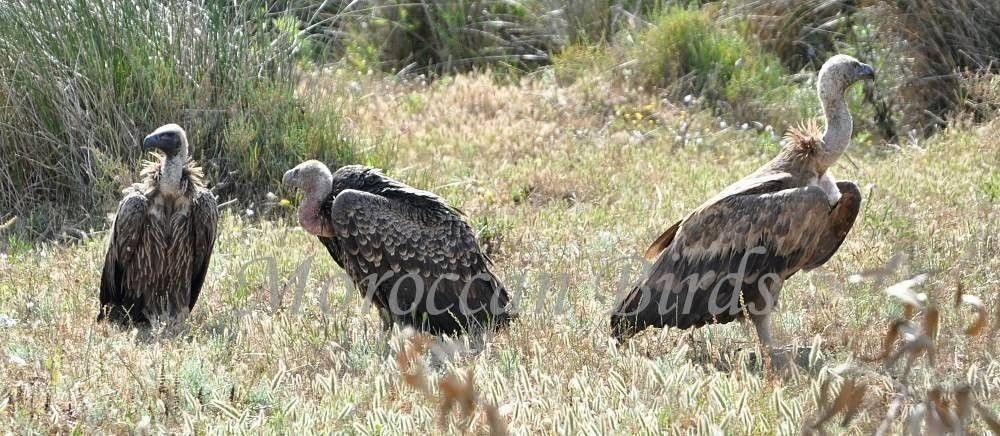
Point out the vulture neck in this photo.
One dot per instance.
(311, 212)
(839, 127)
(172, 172)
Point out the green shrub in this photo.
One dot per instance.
(685, 51)
(81, 83)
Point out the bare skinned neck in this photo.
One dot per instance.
(839, 127)
(310, 212)
(172, 171)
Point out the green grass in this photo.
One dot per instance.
(82, 83)
(560, 189)
(687, 51)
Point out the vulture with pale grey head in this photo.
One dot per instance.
(162, 238)
(405, 249)
(729, 258)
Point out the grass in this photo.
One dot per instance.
(559, 186)
(685, 50)
(81, 84)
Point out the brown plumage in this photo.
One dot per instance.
(805, 138)
(405, 249)
(729, 257)
(162, 238)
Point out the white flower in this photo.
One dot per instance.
(6, 321)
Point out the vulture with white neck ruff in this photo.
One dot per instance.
(162, 238)
(729, 258)
(405, 249)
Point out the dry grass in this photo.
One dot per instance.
(597, 189)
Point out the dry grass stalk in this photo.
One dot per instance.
(982, 320)
(453, 390)
(10, 223)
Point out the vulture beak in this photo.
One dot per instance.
(149, 142)
(866, 71)
(167, 139)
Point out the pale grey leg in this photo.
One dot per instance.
(762, 323)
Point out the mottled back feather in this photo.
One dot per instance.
(397, 242)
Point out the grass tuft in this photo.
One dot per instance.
(82, 84)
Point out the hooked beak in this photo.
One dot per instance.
(149, 142)
(866, 72)
(167, 142)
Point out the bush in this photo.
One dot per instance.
(427, 36)
(941, 41)
(82, 83)
(802, 33)
(685, 51)
(924, 50)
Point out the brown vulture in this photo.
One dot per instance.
(405, 249)
(729, 257)
(162, 238)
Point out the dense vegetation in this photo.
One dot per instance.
(571, 132)
(81, 83)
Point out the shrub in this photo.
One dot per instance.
(686, 52)
(923, 49)
(802, 33)
(597, 21)
(428, 36)
(941, 41)
(82, 83)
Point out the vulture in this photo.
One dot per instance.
(162, 237)
(406, 250)
(728, 259)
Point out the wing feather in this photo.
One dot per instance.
(731, 251)
(425, 268)
(126, 235)
(204, 220)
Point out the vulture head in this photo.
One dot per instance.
(169, 139)
(312, 177)
(840, 72)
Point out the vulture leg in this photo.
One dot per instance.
(842, 218)
(762, 323)
(760, 311)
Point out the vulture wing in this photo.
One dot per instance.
(204, 220)
(422, 266)
(126, 235)
(734, 250)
